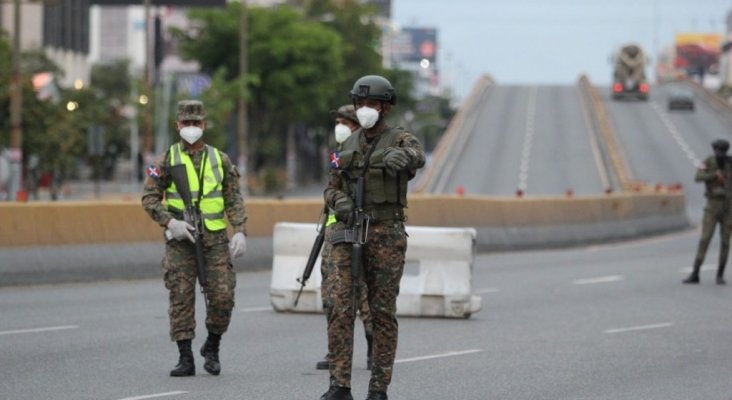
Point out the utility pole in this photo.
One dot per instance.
(16, 130)
(242, 111)
(147, 139)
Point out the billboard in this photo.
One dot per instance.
(412, 45)
(190, 3)
(697, 53)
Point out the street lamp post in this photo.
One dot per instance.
(242, 111)
(16, 130)
(147, 140)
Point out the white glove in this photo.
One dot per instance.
(181, 230)
(237, 245)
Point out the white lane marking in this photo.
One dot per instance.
(599, 279)
(639, 328)
(448, 354)
(705, 267)
(35, 330)
(676, 135)
(255, 309)
(487, 290)
(528, 139)
(152, 396)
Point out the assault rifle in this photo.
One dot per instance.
(358, 232)
(192, 215)
(314, 252)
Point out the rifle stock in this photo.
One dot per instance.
(192, 215)
(314, 252)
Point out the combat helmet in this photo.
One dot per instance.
(373, 87)
(720, 144)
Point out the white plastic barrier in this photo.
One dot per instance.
(441, 286)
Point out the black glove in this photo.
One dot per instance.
(395, 158)
(343, 208)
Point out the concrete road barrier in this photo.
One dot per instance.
(436, 282)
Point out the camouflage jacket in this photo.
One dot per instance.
(405, 140)
(158, 180)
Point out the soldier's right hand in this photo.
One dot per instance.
(343, 208)
(181, 230)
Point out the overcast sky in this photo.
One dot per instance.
(550, 41)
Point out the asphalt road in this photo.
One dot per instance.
(610, 322)
(604, 322)
(530, 138)
(665, 147)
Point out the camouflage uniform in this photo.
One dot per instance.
(179, 265)
(344, 112)
(383, 262)
(716, 211)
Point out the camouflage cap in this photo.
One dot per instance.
(191, 110)
(346, 111)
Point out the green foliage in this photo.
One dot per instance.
(354, 22)
(293, 62)
(49, 130)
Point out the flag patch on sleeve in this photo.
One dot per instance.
(335, 160)
(153, 172)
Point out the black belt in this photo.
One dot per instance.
(386, 215)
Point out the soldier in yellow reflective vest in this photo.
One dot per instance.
(214, 184)
(346, 123)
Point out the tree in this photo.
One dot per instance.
(293, 64)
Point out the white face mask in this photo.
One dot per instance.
(342, 132)
(367, 116)
(191, 133)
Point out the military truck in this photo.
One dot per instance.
(629, 73)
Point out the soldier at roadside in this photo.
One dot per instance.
(716, 174)
(386, 158)
(214, 184)
(346, 123)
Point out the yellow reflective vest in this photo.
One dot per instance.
(212, 199)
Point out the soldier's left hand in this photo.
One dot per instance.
(395, 158)
(237, 245)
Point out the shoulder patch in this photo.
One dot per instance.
(335, 160)
(153, 172)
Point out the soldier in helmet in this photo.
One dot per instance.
(214, 184)
(715, 173)
(346, 123)
(386, 158)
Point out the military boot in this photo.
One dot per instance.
(369, 351)
(323, 364)
(377, 396)
(337, 393)
(694, 277)
(186, 366)
(210, 351)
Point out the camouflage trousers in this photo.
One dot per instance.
(326, 290)
(179, 270)
(383, 265)
(714, 213)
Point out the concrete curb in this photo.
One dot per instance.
(21, 266)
